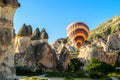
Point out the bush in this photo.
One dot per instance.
(97, 66)
(113, 74)
(108, 31)
(34, 78)
(74, 65)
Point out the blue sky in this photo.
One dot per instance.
(56, 15)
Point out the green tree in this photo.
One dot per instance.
(99, 67)
(74, 65)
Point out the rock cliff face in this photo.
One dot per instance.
(33, 51)
(7, 10)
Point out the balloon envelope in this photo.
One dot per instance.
(77, 33)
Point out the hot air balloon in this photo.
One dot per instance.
(77, 32)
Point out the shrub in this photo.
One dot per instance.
(108, 31)
(74, 65)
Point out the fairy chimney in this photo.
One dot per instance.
(7, 10)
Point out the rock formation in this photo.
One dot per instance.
(60, 42)
(33, 51)
(64, 57)
(62, 51)
(36, 35)
(55, 45)
(37, 56)
(7, 10)
(113, 42)
(99, 51)
(104, 42)
(44, 36)
(25, 31)
(21, 43)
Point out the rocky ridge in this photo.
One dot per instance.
(104, 42)
(33, 51)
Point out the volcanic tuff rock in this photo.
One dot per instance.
(56, 45)
(36, 35)
(105, 42)
(25, 31)
(113, 42)
(44, 34)
(7, 10)
(62, 50)
(34, 52)
(64, 57)
(37, 54)
(106, 51)
(93, 51)
(21, 43)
